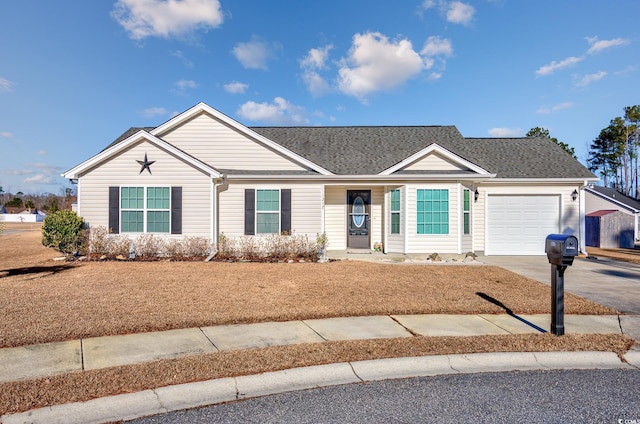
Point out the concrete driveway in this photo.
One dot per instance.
(612, 283)
(608, 282)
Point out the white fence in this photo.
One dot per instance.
(21, 217)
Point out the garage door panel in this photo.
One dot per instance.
(518, 225)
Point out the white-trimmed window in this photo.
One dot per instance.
(395, 211)
(432, 211)
(145, 209)
(267, 211)
(466, 211)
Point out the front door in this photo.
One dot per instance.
(358, 219)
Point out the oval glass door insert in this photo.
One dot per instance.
(358, 211)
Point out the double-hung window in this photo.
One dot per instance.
(267, 211)
(145, 209)
(432, 211)
(395, 211)
(466, 211)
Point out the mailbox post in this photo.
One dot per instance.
(560, 249)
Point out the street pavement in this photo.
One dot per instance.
(565, 396)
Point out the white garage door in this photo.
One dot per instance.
(518, 225)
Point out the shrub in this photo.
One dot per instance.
(63, 231)
(272, 248)
(188, 248)
(98, 240)
(149, 245)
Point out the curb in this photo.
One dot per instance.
(212, 392)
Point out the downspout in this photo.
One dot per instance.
(581, 212)
(214, 207)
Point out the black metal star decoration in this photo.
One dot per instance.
(146, 164)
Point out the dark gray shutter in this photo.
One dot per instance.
(285, 211)
(249, 212)
(176, 210)
(114, 209)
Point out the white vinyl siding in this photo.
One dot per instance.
(394, 243)
(434, 162)
(222, 147)
(124, 171)
(433, 243)
(306, 208)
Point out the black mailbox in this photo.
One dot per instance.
(561, 249)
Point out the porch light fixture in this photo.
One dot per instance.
(476, 195)
(574, 195)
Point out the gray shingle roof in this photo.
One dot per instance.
(615, 194)
(371, 150)
(359, 150)
(128, 133)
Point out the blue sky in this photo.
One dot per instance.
(75, 74)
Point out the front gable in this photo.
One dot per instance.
(435, 159)
(225, 144)
(110, 159)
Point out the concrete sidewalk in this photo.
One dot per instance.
(93, 353)
(49, 359)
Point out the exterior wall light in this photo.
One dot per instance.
(574, 195)
(476, 195)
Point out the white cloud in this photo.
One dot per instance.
(254, 54)
(236, 87)
(186, 62)
(589, 78)
(436, 46)
(376, 64)
(40, 179)
(555, 66)
(152, 112)
(16, 172)
(6, 134)
(316, 58)
(505, 132)
(460, 13)
(279, 112)
(45, 174)
(545, 110)
(183, 85)
(166, 18)
(316, 84)
(626, 70)
(314, 61)
(41, 152)
(455, 12)
(6, 85)
(600, 45)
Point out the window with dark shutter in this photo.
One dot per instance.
(285, 211)
(249, 211)
(114, 209)
(176, 210)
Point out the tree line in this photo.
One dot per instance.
(613, 154)
(46, 202)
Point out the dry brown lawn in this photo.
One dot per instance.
(43, 300)
(627, 255)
